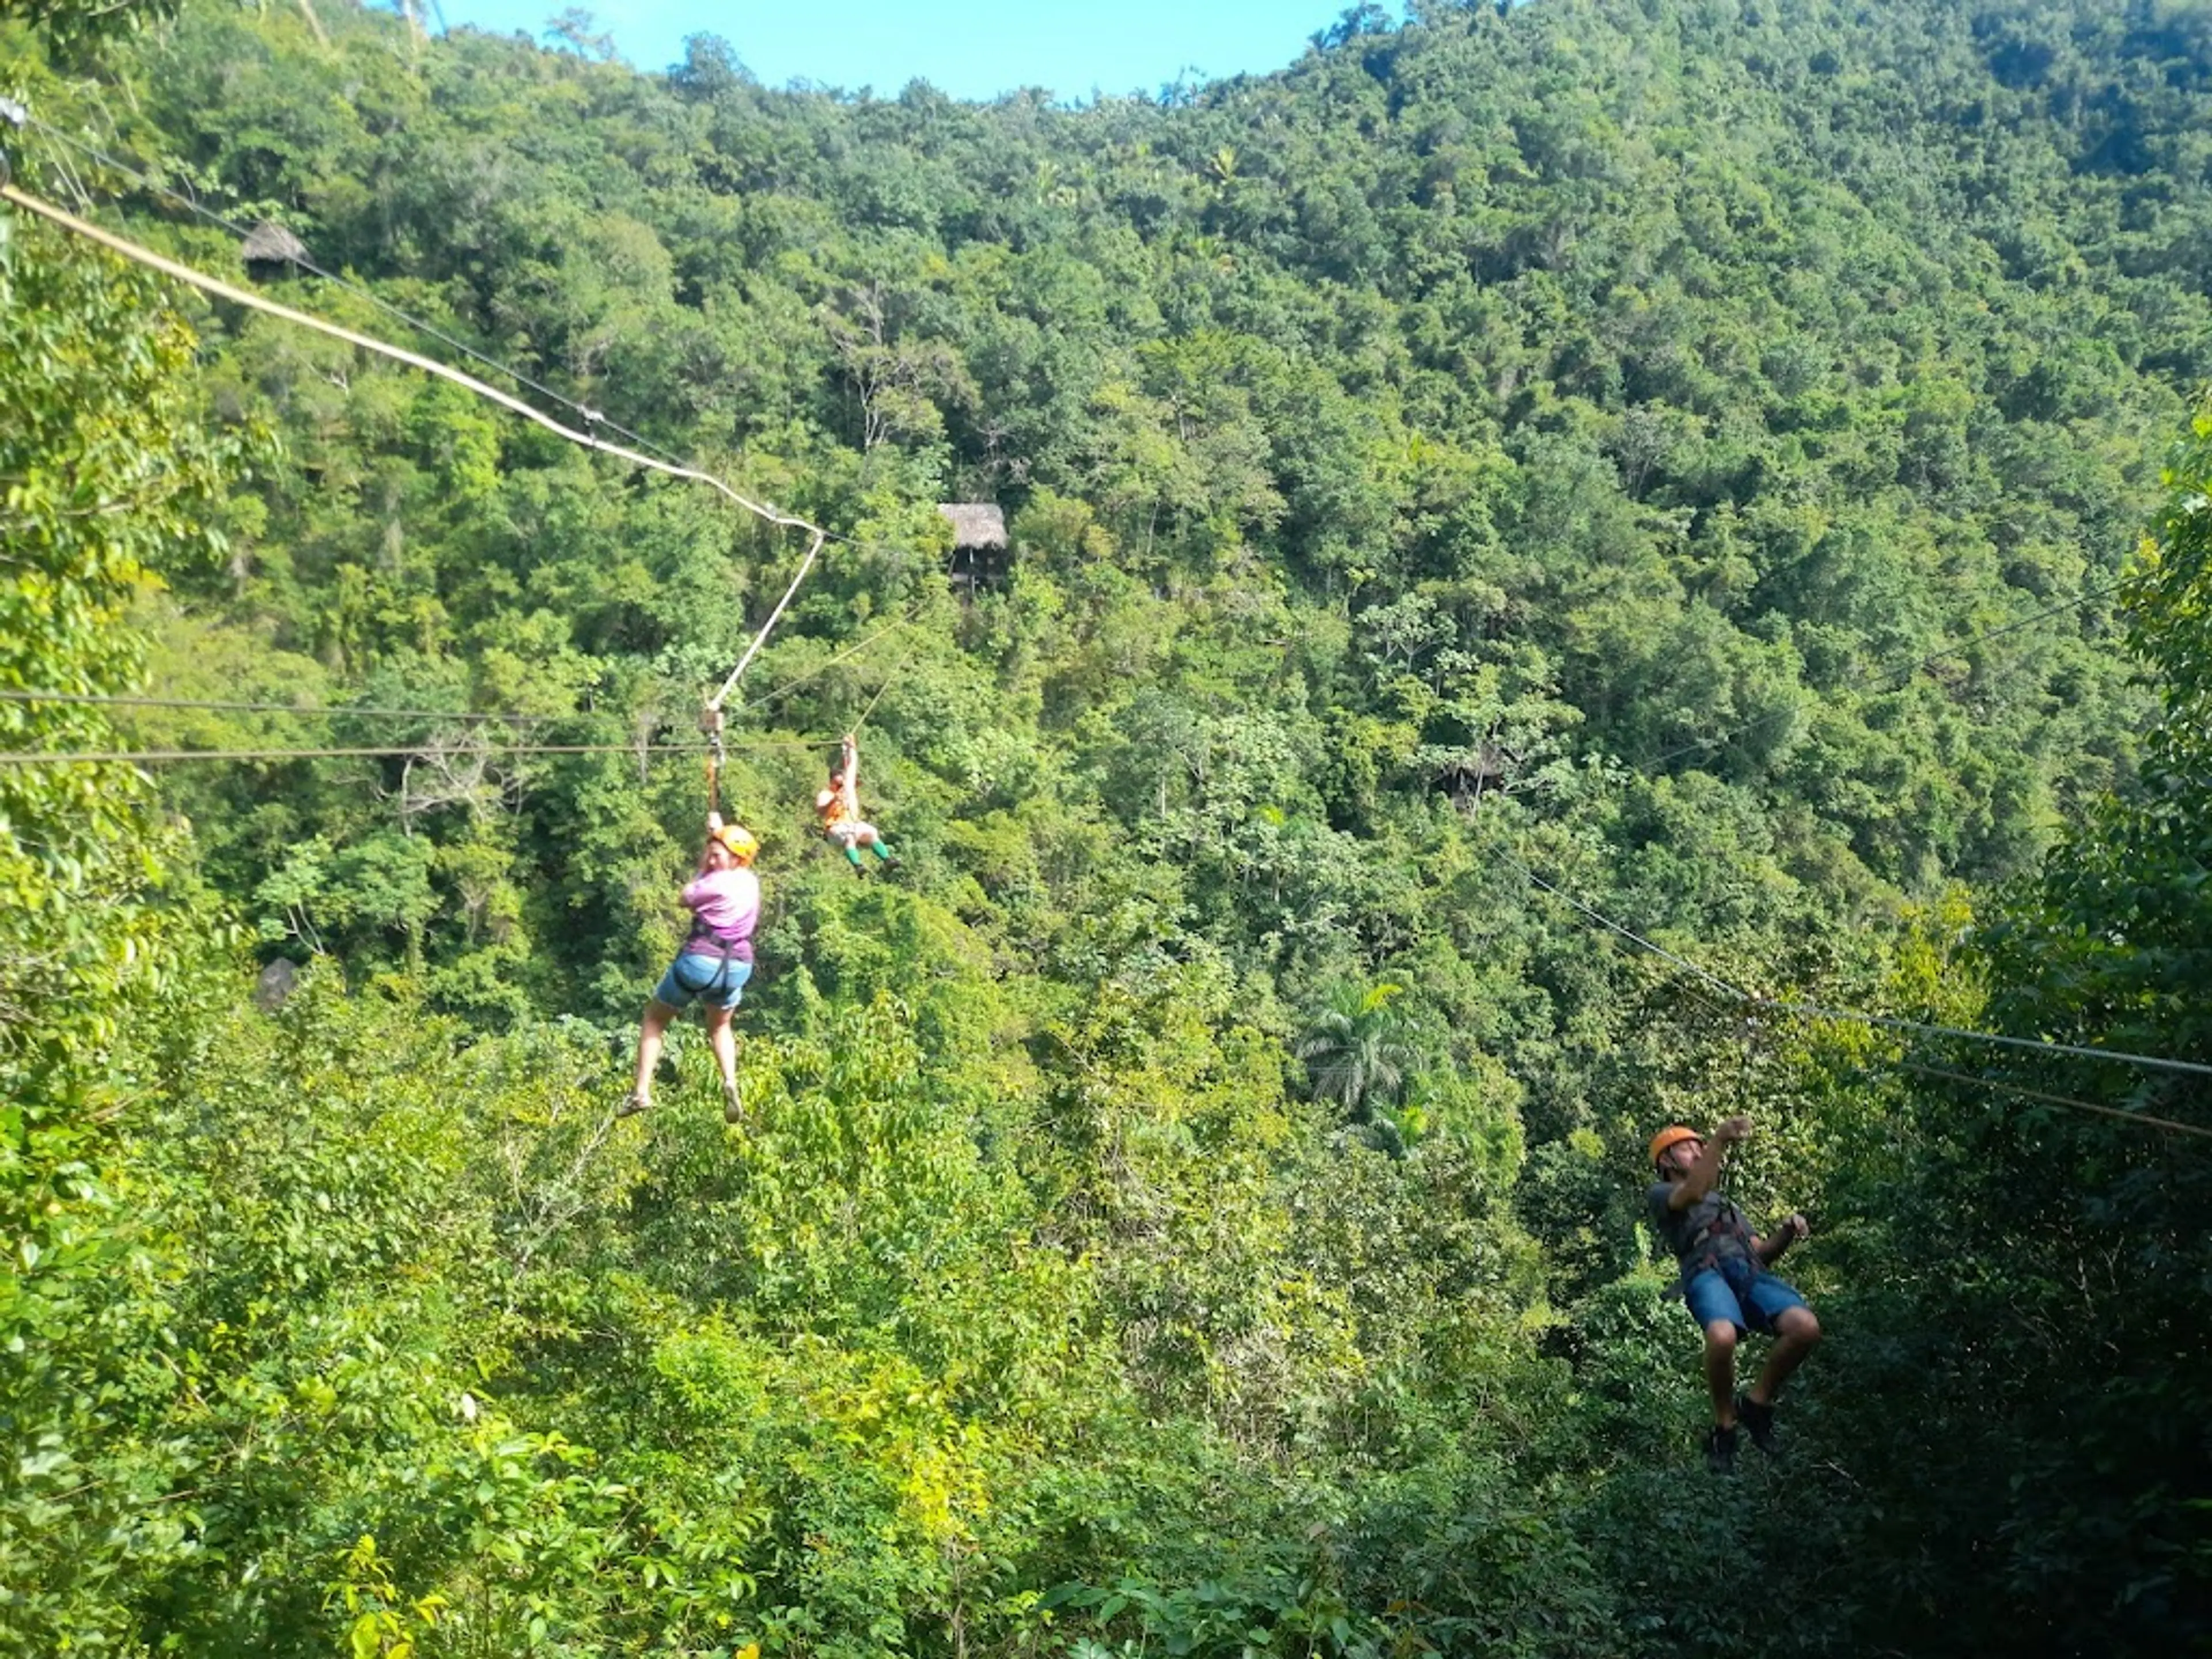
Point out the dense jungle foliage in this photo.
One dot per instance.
(1686, 458)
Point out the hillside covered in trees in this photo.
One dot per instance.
(1546, 544)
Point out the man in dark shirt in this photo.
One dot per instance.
(1726, 1282)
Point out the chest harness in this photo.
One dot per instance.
(1724, 1243)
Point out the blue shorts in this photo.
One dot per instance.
(1711, 1299)
(717, 980)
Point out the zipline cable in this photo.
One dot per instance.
(9, 694)
(2034, 1045)
(192, 204)
(715, 702)
(182, 273)
(658, 458)
(476, 716)
(148, 757)
(2145, 1119)
(1630, 934)
(1816, 1010)
(2102, 590)
(590, 416)
(785, 688)
(252, 301)
(13, 695)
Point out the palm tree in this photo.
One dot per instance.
(1352, 1053)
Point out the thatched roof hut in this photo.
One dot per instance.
(976, 524)
(1470, 774)
(982, 554)
(271, 250)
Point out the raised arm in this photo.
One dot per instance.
(713, 823)
(1707, 1169)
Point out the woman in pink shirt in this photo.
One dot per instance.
(713, 964)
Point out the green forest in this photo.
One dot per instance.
(1571, 567)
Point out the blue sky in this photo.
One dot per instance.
(970, 48)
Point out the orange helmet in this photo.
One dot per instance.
(740, 842)
(1673, 1135)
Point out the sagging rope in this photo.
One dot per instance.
(776, 615)
(22, 118)
(298, 257)
(711, 720)
(153, 261)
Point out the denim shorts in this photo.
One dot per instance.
(1710, 1297)
(717, 980)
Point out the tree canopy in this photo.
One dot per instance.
(1542, 541)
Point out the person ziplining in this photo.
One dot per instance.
(1727, 1282)
(712, 965)
(838, 806)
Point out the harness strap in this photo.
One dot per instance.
(737, 945)
(1705, 1250)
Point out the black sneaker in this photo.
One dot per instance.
(1759, 1419)
(1720, 1450)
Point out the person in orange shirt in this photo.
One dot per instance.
(838, 806)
